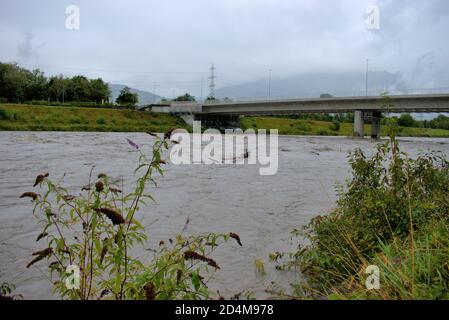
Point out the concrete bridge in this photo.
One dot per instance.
(226, 114)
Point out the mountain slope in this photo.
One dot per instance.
(314, 84)
(145, 97)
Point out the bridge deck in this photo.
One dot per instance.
(409, 103)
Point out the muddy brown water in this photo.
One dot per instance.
(263, 210)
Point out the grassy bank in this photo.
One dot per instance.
(391, 217)
(324, 128)
(16, 117)
(52, 118)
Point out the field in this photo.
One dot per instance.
(324, 128)
(51, 118)
(14, 117)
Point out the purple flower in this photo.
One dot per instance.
(133, 144)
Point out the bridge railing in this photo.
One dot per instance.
(370, 93)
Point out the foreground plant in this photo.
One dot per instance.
(89, 238)
(393, 214)
(7, 292)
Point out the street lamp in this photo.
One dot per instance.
(269, 84)
(366, 78)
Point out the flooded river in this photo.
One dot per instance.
(217, 198)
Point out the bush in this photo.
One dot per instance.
(101, 121)
(335, 125)
(392, 207)
(323, 132)
(97, 263)
(406, 120)
(303, 127)
(3, 114)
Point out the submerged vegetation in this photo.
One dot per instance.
(394, 215)
(87, 240)
(53, 118)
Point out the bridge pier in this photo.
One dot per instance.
(375, 125)
(359, 123)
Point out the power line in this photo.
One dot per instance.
(115, 71)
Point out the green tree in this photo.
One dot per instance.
(406, 120)
(99, 90)
(440, 122)
(13, 80)
(36, 86)
(78, 89)
(126, 97)
(56, 88)
(185, 97)
(211, 98)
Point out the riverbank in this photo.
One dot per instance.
(387, 237)
(214, 197)
(14, 117)
(326, 128)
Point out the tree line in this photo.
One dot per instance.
(18, 85)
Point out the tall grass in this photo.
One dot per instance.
(393, 214)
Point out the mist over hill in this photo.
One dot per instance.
(315, 84)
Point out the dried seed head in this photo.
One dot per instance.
(54, 264)
(68, 198)
(159, 162)
(42, 235)
(152, 134)
(113, 215)
(30, 195)
(40, 178)
(44, 252)
(40, 255)
(115, 190)
(178, 276)
(104, 292)
(86, 188)
(236, 237)
(102, 175)
(192, 255)
(168, 134)
(150, 291)
(99, 186)
(104, 250)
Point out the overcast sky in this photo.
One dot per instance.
(169, 45)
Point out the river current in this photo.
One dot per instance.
(263, 210)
